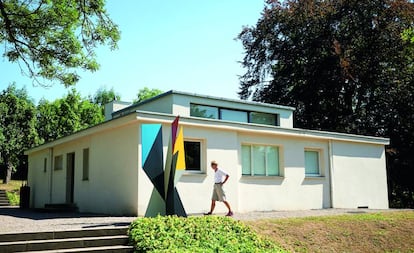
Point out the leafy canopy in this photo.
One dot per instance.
(66, 115)
(346, 66)
(146, 93)
(17, 127)
(335, 61)
(52, 38)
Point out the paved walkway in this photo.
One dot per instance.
(13, 219)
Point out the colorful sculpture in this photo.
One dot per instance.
(165, 198)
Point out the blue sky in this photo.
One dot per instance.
(184, 45)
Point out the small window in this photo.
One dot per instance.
(233, 115)
(259, 160)
(192, 151)
(45, 164)
(312, 163)
(59, 162)
(263, 118)
(85, 174)
(204, 111)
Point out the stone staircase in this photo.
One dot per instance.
(85, 240)
(4, 201)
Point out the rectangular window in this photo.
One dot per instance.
(312, 163)
(192, 151)
(263, 118)
(204, 111)
(259, 160)
(45, 164)
(246, 160)
(85, 174)
(214, 112)
(59, 162)
(233, 115)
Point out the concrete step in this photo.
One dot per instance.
(106, 249)
(87, 240)
(4, 200)
(69, 243)
(50, 235)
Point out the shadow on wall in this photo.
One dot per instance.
(261, 180)
(363, 151)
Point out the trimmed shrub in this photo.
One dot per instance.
(196, 234)
(14, 198)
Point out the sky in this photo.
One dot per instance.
(183, 45)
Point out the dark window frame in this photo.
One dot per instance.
(249, 120)
(200, 155)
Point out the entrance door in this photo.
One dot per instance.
(70, 177)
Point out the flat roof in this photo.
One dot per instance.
(175, 92)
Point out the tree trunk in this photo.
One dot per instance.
(7, 173)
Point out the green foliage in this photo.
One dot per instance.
(14, 198)
(408, 35)
(66, 115)
(346, 66)
(196, 234)
(17, 124)
(52, 38)
(104, 96)
(147, 93)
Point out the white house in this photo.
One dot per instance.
(272, 165)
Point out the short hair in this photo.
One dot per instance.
(213, 162)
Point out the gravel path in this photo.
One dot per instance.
(13, 219)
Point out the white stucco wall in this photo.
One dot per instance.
(38, 179)
(287, 191)
(247, 193)
(359, 176)
(113, 173)
(161, 105)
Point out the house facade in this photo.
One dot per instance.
(272, 165)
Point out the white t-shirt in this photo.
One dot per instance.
(218, 176)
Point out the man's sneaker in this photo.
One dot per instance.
(209, 213)
(229, 213)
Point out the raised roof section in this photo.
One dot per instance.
(181, 103)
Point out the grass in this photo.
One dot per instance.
(13, 185)
(373, 232)
(13, 191)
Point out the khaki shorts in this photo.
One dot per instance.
(218, 193)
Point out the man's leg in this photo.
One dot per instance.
(227, 205)
(213, 205)
(230, 213)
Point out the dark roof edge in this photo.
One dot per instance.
(204, 96)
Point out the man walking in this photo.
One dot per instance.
(218, 193)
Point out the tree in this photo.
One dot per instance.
(147, 93)
(52, 38)
(17, 128)
(104, 96)
(345, 66)
(66, 115)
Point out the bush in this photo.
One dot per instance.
(14, 198)
(196, 234)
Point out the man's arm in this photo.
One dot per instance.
(225, 179)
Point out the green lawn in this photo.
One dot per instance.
(373, 232)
